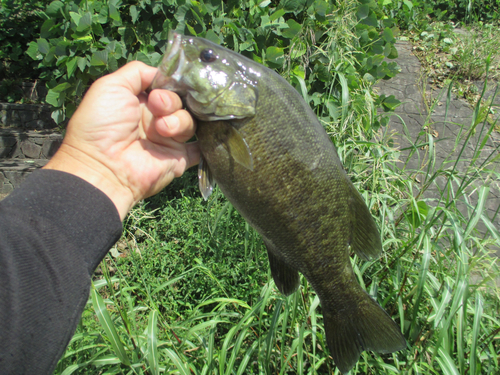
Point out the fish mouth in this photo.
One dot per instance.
(169, 72)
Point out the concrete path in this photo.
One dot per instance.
(418, 118)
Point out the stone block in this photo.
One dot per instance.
(16, 177)
(50, 146)
(7, 140)
(31, 150)
(35, 124)
(27, 115)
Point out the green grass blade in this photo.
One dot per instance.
(446, 363)
(152, 348)
(271, 334)
(178, 363)
(109, 327)
(478, 211)
(478, 313)
(246, 358)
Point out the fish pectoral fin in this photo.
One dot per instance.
(238, 148)
(366, 241)
(205, 180)
(238, 101)
(286, 279)
(356, 325)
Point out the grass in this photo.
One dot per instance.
(187, 290)
(193, 294)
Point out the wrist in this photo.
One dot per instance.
(78, 163)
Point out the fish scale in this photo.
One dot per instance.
(265, 148)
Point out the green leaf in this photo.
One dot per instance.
(134, 13)
(275, 55)
(82, 63)
(363, 11)
(370, 20)
(293, 29)
(114, 13)
(293, 5)
(212, 36)
(75, 17)
(53, 98)
(54, 9)
(71, 66)
(408, 3)
(99, 58)
(390, 103)
(33, 51)
(85, 22)
(279, 13)
(61, 87)
(388, 36)
(43, 46)
(46, 27)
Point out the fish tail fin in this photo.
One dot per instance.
(358, 327)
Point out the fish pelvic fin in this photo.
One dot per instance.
(238, 148)
(205, 180)
(286, 278)
(366, 241)
(359, 327)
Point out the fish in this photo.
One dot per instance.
(273, 160)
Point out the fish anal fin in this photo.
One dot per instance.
(365, 241)
(286, 278)
(238, 148)
(205, 180)
(359, 327)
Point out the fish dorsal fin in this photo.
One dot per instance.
(286, 279)
(238, 148)
(205, 181)
(365, 237)
(238, 101)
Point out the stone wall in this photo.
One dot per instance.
(16, 144)
(26, 116)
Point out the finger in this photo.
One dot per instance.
(193, 154)
(163, 102)
(180, 126)
(135, 76)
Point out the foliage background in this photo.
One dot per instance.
(187, 289)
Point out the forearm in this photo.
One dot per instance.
(54, 231)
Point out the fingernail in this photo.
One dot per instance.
(172, 123)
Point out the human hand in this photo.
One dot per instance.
(126, 143)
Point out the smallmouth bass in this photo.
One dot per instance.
(261, 142)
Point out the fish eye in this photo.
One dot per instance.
(208, 55)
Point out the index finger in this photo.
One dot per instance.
(135, 76)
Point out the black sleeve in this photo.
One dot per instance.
(54, 231)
